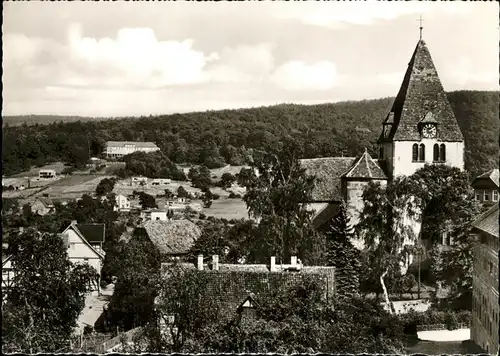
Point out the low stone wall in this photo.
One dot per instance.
(434, 327)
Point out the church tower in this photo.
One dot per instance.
(421, 126)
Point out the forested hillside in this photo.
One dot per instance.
(215, 138)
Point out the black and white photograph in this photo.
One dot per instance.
(250, 177)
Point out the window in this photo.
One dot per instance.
(415, 153)
(442, 153)
(421, 153)
(490, 267)
(436, 152)
(486, 196)
(495, 195)
(478, 195)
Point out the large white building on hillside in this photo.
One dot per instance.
(118, 149)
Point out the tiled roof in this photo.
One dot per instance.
(422, 93)
(493, 175)
(47, 202)
(328, 172)
(488, 221)
(92, 232)
(325, 215)
(232, 284)
(365, 167)
(172, 237)
(136, 144)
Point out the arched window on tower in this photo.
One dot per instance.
(421, 153)
(415, 153)
(442, 153)
(436, 152)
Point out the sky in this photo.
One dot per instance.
(148, 58)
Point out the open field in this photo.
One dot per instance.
(33, 172)
(227, 209)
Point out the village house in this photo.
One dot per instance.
(161, 181)
(138, 180)
(154, 214)
(47, 174)
(43, 206)
(173, 238)
(121, 203)
(118, 149)
(485, 307)
(84, 244)
(236, 289)
(486, 187)
(420, 129)
(7, 274)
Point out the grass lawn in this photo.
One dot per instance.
(227, 209)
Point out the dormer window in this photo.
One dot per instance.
(428, 126)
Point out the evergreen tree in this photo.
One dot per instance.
(341, 253)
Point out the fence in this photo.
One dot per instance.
(433, 327)
(110, 343)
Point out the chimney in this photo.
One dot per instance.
(200, 263)
(74, 222)
(215, 262)
(294, 261)
(273, 264)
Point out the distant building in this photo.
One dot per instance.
(138, 180)
(122, 203)
(84, 244)
(237, 288)
(43, 206)
(173, 238)
(161, 181)
(154, 214)
(486, 187)
(118, 149)
(485, 308)
(47, 174)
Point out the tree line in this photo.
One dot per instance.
(216, 138)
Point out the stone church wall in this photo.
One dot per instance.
(403, 164)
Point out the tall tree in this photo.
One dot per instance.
(341, 253)
(383, 225)
(276, 197)
(47, 295)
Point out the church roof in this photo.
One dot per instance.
(329, 172)
(365, 167)
(420, 98)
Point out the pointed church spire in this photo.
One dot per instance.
(421, 93)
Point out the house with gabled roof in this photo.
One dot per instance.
(7, 274)
(84, 244)
(236, 289)
(486, 187)
(43, 206)
(173, 238)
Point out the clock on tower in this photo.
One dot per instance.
(429, 131)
